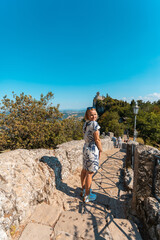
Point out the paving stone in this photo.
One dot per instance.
(61, 235)
(35, 231)
(123, 229)
(81, 226)
(46, 214)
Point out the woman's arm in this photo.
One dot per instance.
(97, 140)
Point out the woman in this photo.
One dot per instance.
(91, 153)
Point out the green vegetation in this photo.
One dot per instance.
(118, 117)
(29, 123)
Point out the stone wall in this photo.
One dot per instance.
(70, 154)
(29, 177)
(107, 144)
(144, 203)
(24, 182)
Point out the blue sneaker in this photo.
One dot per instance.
(90, 198)
(83, 192)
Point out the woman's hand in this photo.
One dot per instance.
(100, 155)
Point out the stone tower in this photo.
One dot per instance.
(97, 97)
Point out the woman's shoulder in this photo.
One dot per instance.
(95, 125)
(93, 122)
(87, 123)
(92, 125)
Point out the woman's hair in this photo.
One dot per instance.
(87, 111)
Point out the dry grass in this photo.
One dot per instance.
(140, 140)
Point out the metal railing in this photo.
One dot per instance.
(156, 178)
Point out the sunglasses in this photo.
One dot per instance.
(89, 108)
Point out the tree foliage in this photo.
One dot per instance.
(109, 122)
(149, 127)
(29, 123)
(118, 117)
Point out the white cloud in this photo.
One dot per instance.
(155, 95)
(124, 99)
(149, 97)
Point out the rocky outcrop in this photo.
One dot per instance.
(144, 201)
(107, 144)
(128, 179)
(152, 215)
(70, 156)
(144, 171)
(25, 182)
(29, 177)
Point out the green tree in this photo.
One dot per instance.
(30, 123)
(118, 116)
(109, 122)
(148, 125)
(72, 129)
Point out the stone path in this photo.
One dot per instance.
(68, 218)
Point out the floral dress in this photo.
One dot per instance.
(90, 149)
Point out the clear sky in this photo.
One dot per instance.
(75, 48)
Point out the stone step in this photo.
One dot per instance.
(71, 225)
(123, 229)
(46, 214)
(41, 222)
(35, 231)
(81, 226)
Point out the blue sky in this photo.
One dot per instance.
(75, 48)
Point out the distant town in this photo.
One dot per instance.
(73, 113)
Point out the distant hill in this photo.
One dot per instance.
(73, 113)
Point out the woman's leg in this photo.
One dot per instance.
(88, 182)
(83, 178)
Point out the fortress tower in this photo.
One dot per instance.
(97, 97)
